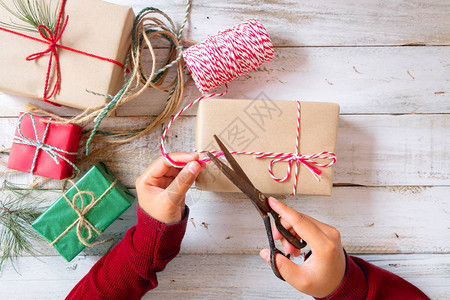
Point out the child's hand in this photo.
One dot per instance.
(162, 188)
(324, 270)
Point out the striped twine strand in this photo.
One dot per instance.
(224, 57)
(306, 160)
(297, 150)
(163, 137)
(221, 58)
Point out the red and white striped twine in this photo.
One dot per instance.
(306, 160)
(228, 54)
(221, 58)
(163, 137)
(224, 57)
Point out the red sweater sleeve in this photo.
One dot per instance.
(364, 281)
(128, 271)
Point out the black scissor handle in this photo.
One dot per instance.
(299, 244)
(273, 249)
(273, 252)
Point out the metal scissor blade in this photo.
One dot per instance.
(233, 163)
(247, 188)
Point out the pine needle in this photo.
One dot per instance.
(18, 209)
(29, 14)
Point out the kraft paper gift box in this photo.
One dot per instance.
(94, 27)
(42, 148)
(267, 126)
(58, 224)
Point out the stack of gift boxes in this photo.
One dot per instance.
(47, 148)
(89, 56)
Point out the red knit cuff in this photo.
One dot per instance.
(150, 232)
(353, 285)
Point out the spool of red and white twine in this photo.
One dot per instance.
(226, 56)
(222, 58)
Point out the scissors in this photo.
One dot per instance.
(237, 176)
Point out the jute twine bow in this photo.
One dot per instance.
(53, 152)
(81, 222)
(289, 157)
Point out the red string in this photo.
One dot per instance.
(52, 41)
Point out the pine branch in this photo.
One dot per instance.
(29, 14)
(18, 209)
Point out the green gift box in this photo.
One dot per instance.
(84, 211)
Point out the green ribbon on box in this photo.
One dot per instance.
(84, 211)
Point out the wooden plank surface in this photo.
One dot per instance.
(211, 277)
(228, 279)
(324, 23)
(394, 80)
(372, 150)
(392, 179)
(363, 80)
(371, 220)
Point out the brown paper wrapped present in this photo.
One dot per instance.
(268, 126)
(94, 27)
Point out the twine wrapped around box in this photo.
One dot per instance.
(224, 57)
(52, 151)
(84, 211)
(261, 134)
(81, 221)
(309, 161)
(52, 39)
(220, 59)
(43, 148)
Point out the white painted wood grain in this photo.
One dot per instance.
(249, 277)
(361, 80)
(346, 52)
(312, 23)
(210, 277)
(369, 80)
(372, 150)
(12, 105)
(371, 220)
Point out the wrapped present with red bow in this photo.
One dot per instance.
(285, 147)
(44, 148)
(72, 54)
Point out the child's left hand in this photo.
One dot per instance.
(161, 189)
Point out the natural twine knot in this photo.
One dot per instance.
(81, 221)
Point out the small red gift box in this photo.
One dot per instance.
(43, 148)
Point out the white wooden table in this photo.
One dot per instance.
(387, 63)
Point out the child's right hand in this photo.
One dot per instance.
(321, 274)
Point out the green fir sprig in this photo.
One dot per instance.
(31, 14)
(19, 207)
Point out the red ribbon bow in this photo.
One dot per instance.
(52, 40)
